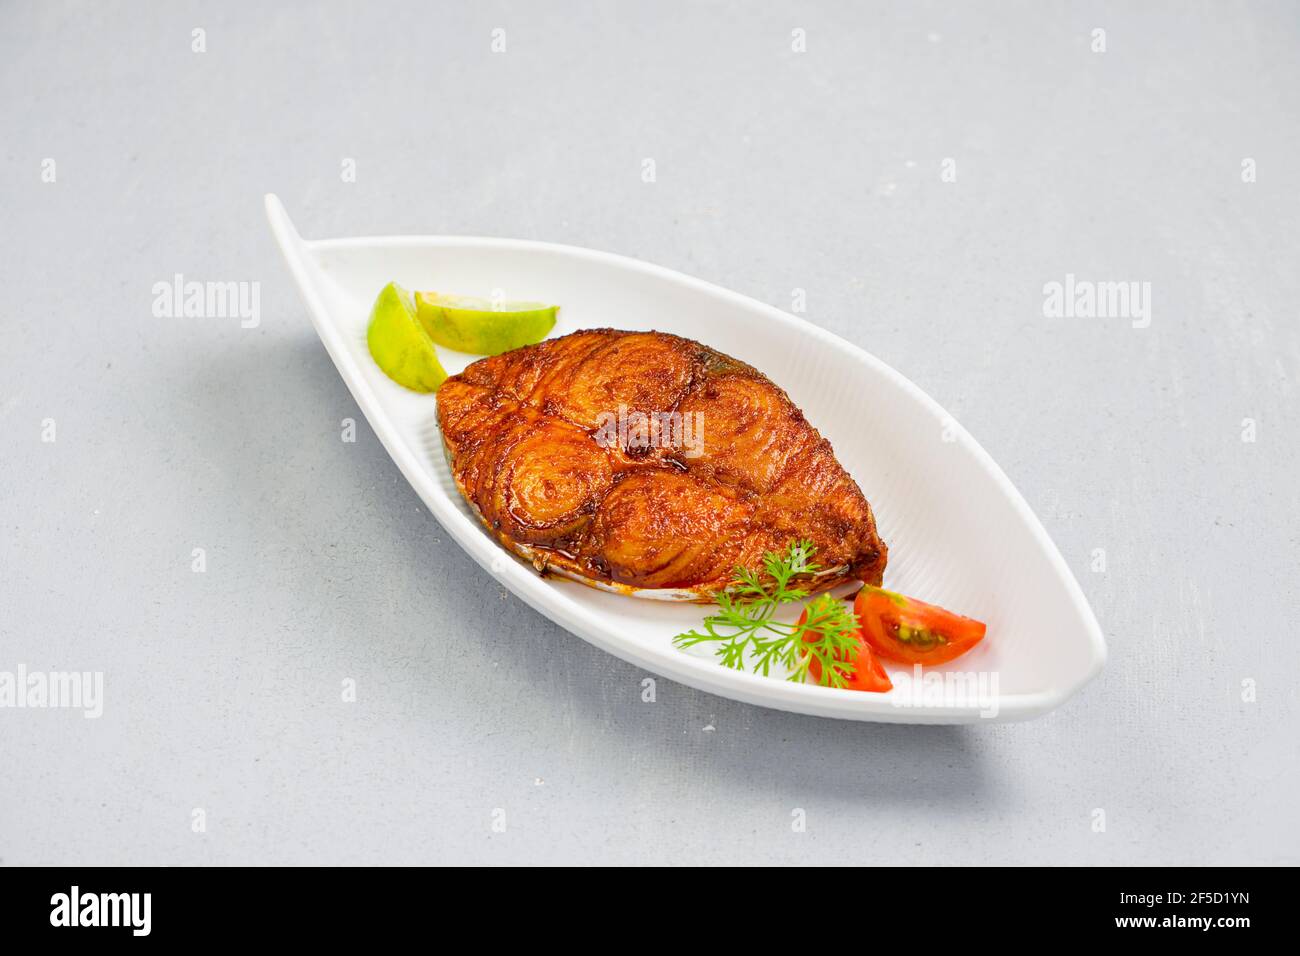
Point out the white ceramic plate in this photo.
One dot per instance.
(959, 533)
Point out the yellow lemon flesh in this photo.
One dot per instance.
(399, 343)
(481, 326)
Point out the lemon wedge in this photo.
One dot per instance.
(399, 343)
(482, 326)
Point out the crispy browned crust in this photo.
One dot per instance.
(520, 431)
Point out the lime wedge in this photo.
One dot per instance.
(481, 326)
(399, 343)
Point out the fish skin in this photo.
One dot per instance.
(519, 430)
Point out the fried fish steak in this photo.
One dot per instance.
(546, 445)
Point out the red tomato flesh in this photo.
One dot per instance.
(868, 674)
(908, 631)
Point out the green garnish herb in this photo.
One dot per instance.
(743, 625)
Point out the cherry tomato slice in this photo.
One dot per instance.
(868, 674)
(908, 631)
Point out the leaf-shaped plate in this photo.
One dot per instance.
(959, 533)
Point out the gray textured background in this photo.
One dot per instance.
(776, 171)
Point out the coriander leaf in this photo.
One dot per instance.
(743, 625)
